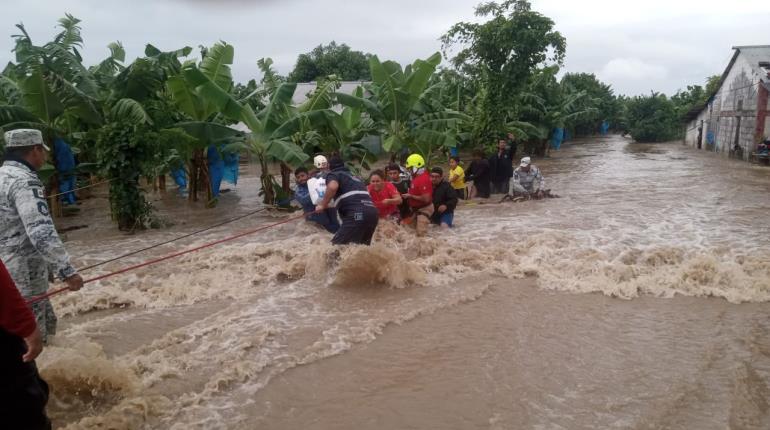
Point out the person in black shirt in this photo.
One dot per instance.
(444, 199)
(501, 168)
(353, 203)
(478, 172)
(402, 185)
(512, 144)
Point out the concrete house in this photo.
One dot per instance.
(735, 118)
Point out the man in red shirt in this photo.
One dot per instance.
(23, 394)
(420, 193)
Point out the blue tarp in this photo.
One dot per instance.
(710, 137)
(605, 128)
(216, 170)
(231, 168)
(557, 138)
(221, 167)
(180, 177)
(65, 165)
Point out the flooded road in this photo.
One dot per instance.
(636, 301)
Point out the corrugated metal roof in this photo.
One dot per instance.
(754, 54)
(305, 88)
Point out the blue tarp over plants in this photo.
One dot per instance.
(557, 138)
(216, 169)
(222, 166)
(180, 177)
(605, 128)
(231, 167)
(65, 165)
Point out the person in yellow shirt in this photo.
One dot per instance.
(457, 176)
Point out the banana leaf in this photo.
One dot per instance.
(216, 65)
(287, 151)
(38, 98)
(131, 110)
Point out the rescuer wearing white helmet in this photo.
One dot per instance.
(321, 163)
(420, 193)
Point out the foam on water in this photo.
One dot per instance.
(186, 338)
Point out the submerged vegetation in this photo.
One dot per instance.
(167, 110)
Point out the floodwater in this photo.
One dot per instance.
(638, 300)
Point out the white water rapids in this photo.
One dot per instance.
(637, 300)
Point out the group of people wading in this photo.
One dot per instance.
(411, 194)
(331, 195)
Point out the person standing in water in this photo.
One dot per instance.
(326, 219)
(353, 203)
(444, 199)
(501, 168)
(457, 176)
(385, 196)
(402, 186)
(420, 193)
(478, 172)
(29, 243)
(23, 393)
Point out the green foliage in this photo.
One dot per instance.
(602, 97)
(653, 118)
(331, 59)
(408, 112)
(684, 100)
(501, 53)
(125, 151)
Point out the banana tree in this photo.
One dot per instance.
(49, 89)
(406, 109)
(203, 92)
(546, 117)
(198, 93)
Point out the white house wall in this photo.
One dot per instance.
(737, 97)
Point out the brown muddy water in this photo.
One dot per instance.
(636, 301)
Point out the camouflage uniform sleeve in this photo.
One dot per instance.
(515, 185)
(27, 195)
(539, 182)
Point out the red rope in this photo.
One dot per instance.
(167, 257)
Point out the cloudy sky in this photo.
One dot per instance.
(636, 46)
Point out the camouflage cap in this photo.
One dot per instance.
(24, 137)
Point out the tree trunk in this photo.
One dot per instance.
(206, 182)
(267, 181)
(286, 178)
(55, 202)
(198, 175)
(162, 182)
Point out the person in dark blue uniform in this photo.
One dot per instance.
(353, 203)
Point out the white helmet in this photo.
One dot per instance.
(320, 162)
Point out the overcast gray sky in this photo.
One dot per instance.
(636, 46)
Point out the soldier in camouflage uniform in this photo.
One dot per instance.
(527, 180)
(29, 243)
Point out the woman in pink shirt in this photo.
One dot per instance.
(384, 195)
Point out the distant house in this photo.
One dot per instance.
(306, 88)
(735, 118)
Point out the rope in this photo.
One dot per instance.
(120, 257)
(81, 188)
(161, 259)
